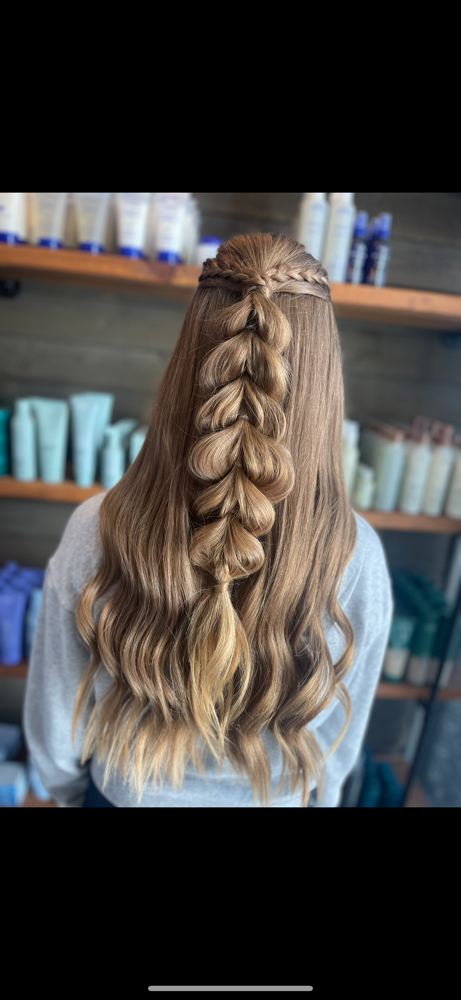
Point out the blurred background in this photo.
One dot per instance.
(93, 292)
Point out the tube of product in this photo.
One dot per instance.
(105, 404)
(453, 504)
(364, 488)
(13, 603)
(85, 413)
(388, 463)
(5, 416)
(312, 223)
(136, 442)
(402, 631)
(125, 428)
(207, 249)
(92, 211)
(416, 471)
(50, 210)
(132, 215)
(338, 241)
(13, 218)
(350, 453)
(23, 442)
(113, 457)
(443, 455)
(52, 417)
(171, 209)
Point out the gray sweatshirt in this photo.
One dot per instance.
(59, 657)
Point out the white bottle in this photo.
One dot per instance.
(113, 457)
(335, 256)
(443, 455)
(312, 221)
(350, 453)
(453, 504)
(388, 463)
(364, 488)
(416, 472)
(23, 442)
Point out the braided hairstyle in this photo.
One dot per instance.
(227, 538)
(241, 466)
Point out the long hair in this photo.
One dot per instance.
(227, 539)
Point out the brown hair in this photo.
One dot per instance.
(228, 537)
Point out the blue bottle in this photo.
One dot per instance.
(359, 250)
(379, 251)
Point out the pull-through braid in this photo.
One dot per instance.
(244, 470)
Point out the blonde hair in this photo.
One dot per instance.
(227, 538)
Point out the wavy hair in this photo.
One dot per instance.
(227, 539)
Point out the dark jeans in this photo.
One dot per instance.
(94, 799)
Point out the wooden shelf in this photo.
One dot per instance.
(395, 521)
(19, 671)
(389, 690)
(66, 492)
(117, 273)
(69, 492)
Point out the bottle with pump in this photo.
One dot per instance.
(335, 257)
(453, 504)
(312, 222)
(358, 254)
(416, 471)
(113, 457)
(350, 453)
(443, 454)
(379, 252)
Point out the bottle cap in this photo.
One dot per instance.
(384, 226)
(446, 434)
(360, 229)
(392, 433)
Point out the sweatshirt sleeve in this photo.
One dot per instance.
(369, 607)
(58, 660)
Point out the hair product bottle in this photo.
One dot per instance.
(312, 222)
(443, 454)
(335, 257)
(23, 442)
(388, 463)
(363, 492)
(453, 504)
(350, 453)
(379, 251)
(358, 254)
(416, 471)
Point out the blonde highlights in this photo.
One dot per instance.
(228, 537)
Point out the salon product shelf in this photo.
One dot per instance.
(19, 671)
(69, 492)
(118, 273)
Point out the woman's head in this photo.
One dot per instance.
(228, 536)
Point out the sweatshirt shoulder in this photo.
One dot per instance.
(77, 556)
(367, 574)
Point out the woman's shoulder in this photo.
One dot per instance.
(76, 558)
(366, 577)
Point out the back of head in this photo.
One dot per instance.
(228, 537)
